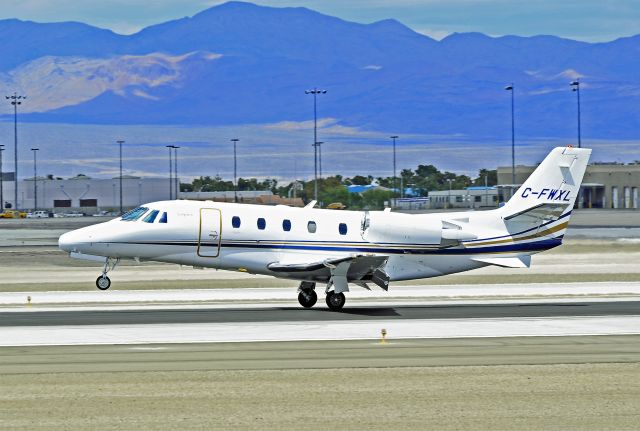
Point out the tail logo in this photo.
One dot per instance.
(551, 194)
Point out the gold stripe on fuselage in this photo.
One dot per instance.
(524, 238)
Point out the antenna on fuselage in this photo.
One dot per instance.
(311, 204)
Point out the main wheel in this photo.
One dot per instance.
(307, 298)
(335, 301)
(103, 282)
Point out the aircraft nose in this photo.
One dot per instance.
(71, 241)
(66, 241)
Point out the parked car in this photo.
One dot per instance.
(39, 214)
(336, 206)
(74, 214)
(13, 214)
(105, 214)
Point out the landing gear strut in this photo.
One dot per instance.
(103, 282)
(307, 296)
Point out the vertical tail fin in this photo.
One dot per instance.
(554, 184)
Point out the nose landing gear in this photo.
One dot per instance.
(103, 282)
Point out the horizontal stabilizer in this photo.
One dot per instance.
(507, 262)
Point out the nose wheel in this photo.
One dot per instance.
(103, 282)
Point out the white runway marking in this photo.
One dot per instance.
(288, 295)
(332, 330)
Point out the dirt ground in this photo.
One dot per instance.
(550, 397)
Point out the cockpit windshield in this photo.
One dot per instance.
(134, 214)
(151, 217)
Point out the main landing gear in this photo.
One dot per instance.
(103, 282)
(307, 297)
(335, 301)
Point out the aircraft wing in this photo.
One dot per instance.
(338, 271)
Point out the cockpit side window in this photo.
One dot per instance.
(163, 218)
(151, 217)
(134, 214)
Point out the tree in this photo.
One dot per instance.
(490, 174)
(359, 180)
(374, 199)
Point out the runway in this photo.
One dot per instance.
(319, 314)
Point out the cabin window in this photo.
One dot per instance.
(342, 228)
(286, 225)
(134, 214)
(262, 223)
(151, 217)
(163, 218)
(312, 227)
(235, 222)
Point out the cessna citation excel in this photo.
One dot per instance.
(339, 248)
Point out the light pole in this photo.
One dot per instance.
(319, 145)
(35, 179)
(120, 144)
(449, 198)
(513, 136)
(395, 182)
(575, 86)
(176, 186)
(1, 181)
(170, 172)
(315, 93)
(235, 169)
(15, 101)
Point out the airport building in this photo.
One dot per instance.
(470, 198)
(86, 194)
(605, 185)
(90, 195)
(260, 197)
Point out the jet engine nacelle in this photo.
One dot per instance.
(383, 227)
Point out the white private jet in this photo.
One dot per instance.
(337, 248)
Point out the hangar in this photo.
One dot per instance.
(86, 194)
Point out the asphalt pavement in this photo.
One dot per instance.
(319, 314)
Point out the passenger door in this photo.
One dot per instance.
(210, 232)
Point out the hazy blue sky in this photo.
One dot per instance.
(589, 20)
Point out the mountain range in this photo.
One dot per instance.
(239, 63)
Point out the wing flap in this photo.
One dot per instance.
(304, 267)
(357, 268)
